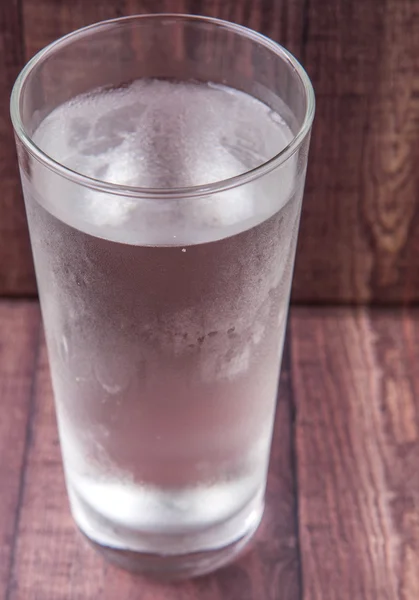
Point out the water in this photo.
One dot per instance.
(164, 319)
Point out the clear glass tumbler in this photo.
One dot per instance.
(163, 160)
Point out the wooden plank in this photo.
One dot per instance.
(356, 390)
(360, 231)
(51, 19)
(19, 327)
(48, 555)
(16, 273)
(359, 234)
(53, 561)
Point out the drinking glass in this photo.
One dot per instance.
(162, 160)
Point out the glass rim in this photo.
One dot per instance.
(162, 193)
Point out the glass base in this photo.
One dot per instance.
(175, 568)
(201, 553)
(155, 534)
(160, 539)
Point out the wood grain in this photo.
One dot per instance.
(53, 562)
(348, 418)
(16, 273)
(19, 327)
(359, 239)
(356, 387)
(51, 19)
(360, 226)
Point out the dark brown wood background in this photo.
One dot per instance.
(359, 238)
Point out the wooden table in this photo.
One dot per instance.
(342, 518)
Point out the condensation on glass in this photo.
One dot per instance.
(163, 161)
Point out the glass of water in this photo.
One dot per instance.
(163, 160)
